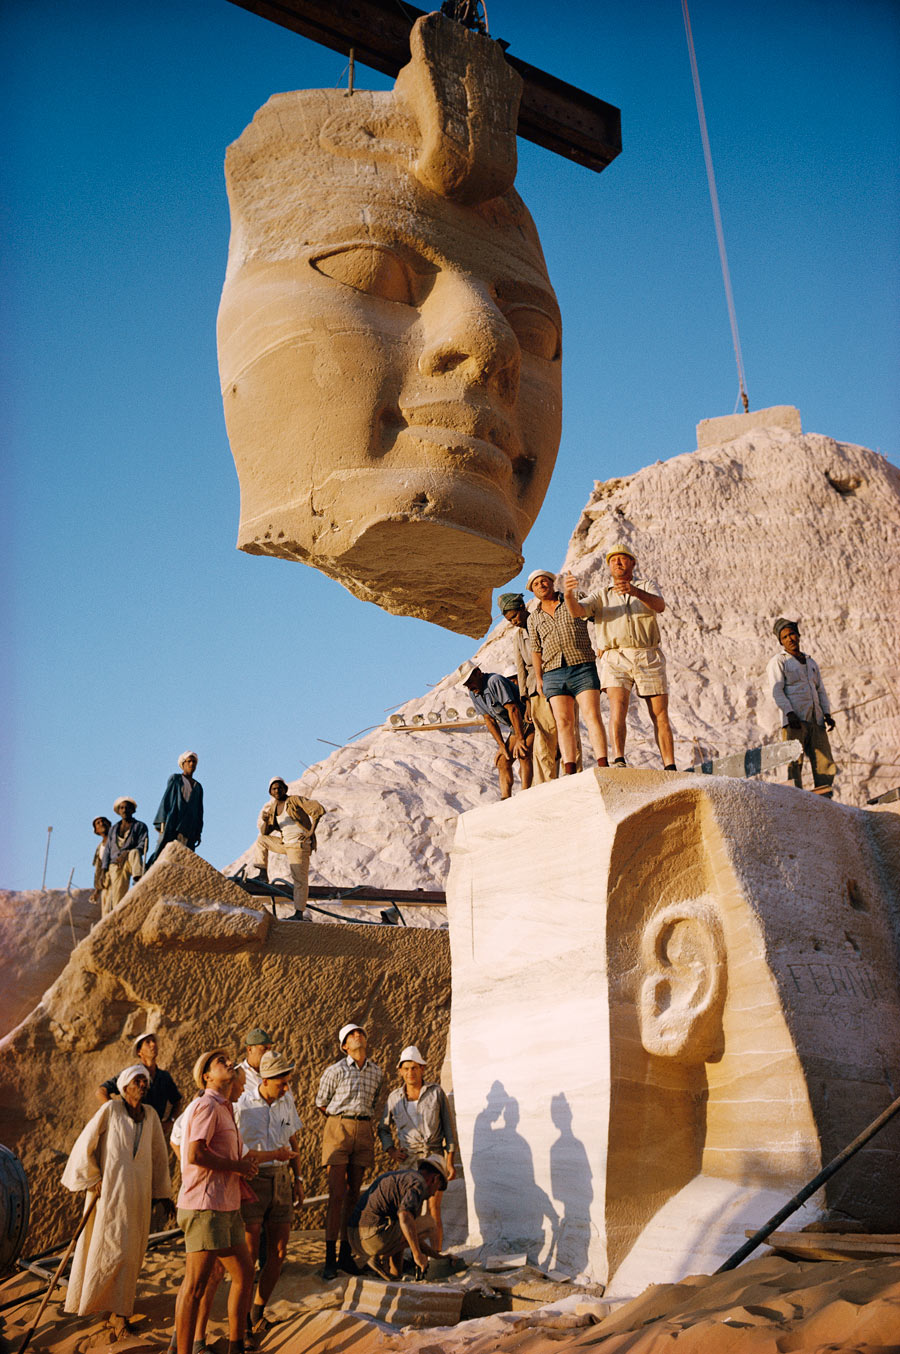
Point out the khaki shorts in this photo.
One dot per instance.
(370, 1242)
(274, 1202)
(348, 1142)
(643, 669)
(210, 1229)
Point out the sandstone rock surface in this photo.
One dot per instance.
(301, 981)
(38, 931)
(389, 341)
(674, 999)
(769, 523)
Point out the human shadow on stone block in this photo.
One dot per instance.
(571, 1181)
(503, 1169)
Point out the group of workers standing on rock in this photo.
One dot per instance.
(237, 1146)
(536, 726)
(286, 827)
(121, 854)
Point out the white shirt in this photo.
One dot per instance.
(291, 831)
(264, 1126)
(797, 687)
(251, 1077)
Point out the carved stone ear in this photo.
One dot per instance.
(682, 993)
(465, 98)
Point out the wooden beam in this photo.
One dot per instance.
(553, 114)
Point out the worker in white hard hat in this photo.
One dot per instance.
(417, 1123)
(624, 613)
(347, 1095)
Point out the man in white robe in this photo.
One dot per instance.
(121, 1155)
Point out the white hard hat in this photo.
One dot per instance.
(411, 1055)
(539, 573)
(348, 1029)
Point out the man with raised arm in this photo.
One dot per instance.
(624, 613)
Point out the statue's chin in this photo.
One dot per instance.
(428, 554)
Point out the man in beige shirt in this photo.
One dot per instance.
(627, 635)
(287, 827)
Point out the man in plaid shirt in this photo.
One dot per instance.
(346, 1097)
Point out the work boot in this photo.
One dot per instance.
(345, 1259)
(331, 1269)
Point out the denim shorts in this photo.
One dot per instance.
(571, 681)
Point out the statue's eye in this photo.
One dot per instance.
(369, 269)
(536, 332)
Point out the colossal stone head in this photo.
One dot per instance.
(694, 1005)
(389, 341)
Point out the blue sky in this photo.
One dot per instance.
(133, 627)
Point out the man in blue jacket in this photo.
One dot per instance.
(179, 817)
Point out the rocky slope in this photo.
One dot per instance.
(38, 931)
(185, 955)
(770, 523)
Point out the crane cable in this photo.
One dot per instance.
(717, 216)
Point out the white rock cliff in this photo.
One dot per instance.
(772, 522)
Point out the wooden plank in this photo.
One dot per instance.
(553, 114)
(834, 1245)
(450, 724)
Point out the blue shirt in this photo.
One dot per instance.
(497, 693)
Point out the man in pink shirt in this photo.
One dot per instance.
(209, 1203)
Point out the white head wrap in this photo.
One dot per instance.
(136, 1070)
(184, 756)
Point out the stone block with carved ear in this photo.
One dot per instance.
(674, 999)
(389, 341)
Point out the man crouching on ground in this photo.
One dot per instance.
(209, 1204)
(387, 1218)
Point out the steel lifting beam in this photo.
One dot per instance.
(552, 114)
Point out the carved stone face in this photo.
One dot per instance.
(390, 360)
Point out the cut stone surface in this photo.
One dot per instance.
(735, 535)
(712, 432)
(389, 341)
(404, 1304)
(302, 982)
(215, 928)
(674, 999)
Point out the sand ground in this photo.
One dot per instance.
(771, 1305)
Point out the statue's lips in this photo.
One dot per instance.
(482, 439)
